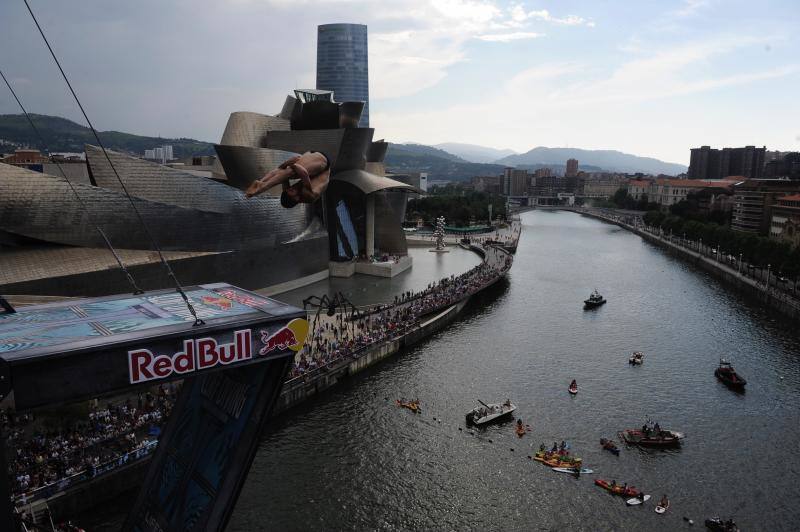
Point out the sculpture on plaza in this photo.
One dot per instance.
(438, 233)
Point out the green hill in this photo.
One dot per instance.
(64, 135)
(439, 164)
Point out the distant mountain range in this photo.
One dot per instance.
(608, 160)
(439, 164)
(62, 135)
(474, 153)
(448, 161)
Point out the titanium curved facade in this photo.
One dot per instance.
(209, 231)
(342, 64)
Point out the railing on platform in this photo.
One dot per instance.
(54, 487)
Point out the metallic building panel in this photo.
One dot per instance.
(243, 164)
(327, 141)
(377, 151)
(346, 148)
(353, 151)
(291, 108)
(369, 183)
(317, 115)
(250, 129)
(43, 207)
(389, 234)
(251, 269)
(350, 114)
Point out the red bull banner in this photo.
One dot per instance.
(198, 354)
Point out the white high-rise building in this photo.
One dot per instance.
(149, 154)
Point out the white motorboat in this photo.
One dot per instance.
(484, 414)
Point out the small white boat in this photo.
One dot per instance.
(636, 500)
(584, 471)
(484, 414)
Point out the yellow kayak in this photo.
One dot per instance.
(413, 406)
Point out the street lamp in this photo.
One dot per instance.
(768, 267)
(740, 264)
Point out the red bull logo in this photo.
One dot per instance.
(280, 340)
(292, 336)
(205, 353)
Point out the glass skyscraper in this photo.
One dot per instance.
(342, 64)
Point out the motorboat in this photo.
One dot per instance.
(595, 300)
(651, 435)
(636, 359)
(728, 375)
(487, 413)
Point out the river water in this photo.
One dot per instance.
(352, 460)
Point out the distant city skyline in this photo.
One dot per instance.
(652, 79)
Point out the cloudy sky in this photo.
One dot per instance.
(650, 77)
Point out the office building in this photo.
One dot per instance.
(515, 182)
(785, 225)
(710, 163)
(342, 64)
(753, 201)
(572, 168)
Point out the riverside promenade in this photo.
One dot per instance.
(341, 347)
(705, 257)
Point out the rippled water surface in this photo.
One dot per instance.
(352, 460)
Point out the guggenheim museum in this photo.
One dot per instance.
(206, 226)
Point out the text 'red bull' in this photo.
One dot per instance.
(197, 355)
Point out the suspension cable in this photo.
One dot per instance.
(131, 280)
(170, 273)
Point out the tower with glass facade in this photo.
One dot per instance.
(342, 64)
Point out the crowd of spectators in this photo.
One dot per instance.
(40, 457)
(344, 336)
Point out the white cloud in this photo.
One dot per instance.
(508, 37)
(661, 74)
(690, 7)
(580, 104)
(518, 14)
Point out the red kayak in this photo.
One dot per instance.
(616, 489)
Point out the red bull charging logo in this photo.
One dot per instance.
(206, 353)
